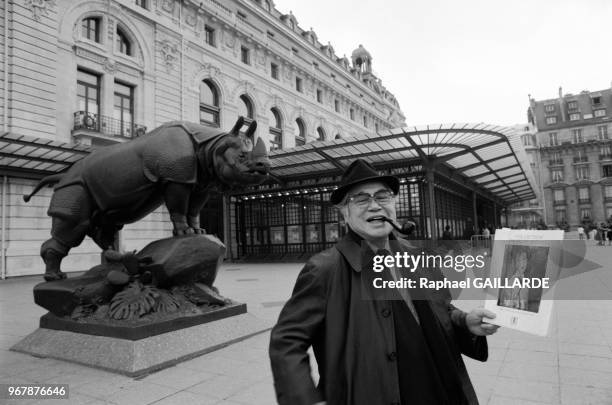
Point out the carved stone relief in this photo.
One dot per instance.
(190, 17)
(168, 6)
(260, 57)
(300, 113)
(275, 101)
(212, 72)
(170, 53)
(39, 8)
(229, 40)
(244, 86)
(110, 66)
(310, 86)
(287, 72)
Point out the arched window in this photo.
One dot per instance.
(365, 121)
(123, 43)
(209, 104)
(276, 129)
(320, 134)
(245, 108)
(268, 5)
(300, 133)
(91, 28)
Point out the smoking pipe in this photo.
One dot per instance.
(407, 228)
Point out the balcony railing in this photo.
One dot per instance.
(106, 125)
(557, 179)
(584, 200)
(581, 159)
(556, 162)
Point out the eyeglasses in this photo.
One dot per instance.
(363, 200)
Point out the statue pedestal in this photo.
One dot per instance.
(137, 357)
(141, 312)
(139, 329)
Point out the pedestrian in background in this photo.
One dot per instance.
(601, 234)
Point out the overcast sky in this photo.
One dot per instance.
(470, 60)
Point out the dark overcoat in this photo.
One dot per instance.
(353, 339)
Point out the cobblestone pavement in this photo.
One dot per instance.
(573, 365)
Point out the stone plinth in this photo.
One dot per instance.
(139, 357)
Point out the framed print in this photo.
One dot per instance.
(524, 269)
(331, 232)
(278, 235)
(294, 234)
(313, 233)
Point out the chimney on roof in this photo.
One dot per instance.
(561, 104)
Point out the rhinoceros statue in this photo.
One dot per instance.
(177, 164)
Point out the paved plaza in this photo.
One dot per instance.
(571, 366)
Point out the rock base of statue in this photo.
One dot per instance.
(136, 358)
(141, 330)
(139, 312)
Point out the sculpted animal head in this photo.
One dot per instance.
(238, 160)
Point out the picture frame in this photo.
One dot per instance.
(525, 265)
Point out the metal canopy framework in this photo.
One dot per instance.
(491, 157)
(32, 157)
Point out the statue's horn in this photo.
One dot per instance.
(260, 149)
(251, 129)
(239, 123)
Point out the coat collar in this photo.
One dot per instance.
(350, 246)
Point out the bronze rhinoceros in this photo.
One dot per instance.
(178, 163)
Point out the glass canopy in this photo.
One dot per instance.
(491, 157)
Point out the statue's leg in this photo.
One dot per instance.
(64, 236)
(52, 252)
(176, 197)
(196, 203)
(70, 210)
(105, 235)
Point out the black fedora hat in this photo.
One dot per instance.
(360, 172)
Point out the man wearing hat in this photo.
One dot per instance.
(369, 351)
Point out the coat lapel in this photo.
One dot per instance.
(350, 248)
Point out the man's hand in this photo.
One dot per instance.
(475, 322)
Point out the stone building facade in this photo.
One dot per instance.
(529, 214)
(574, 157)
(104, 71)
